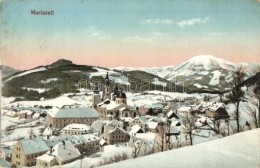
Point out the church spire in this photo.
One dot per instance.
(107, 79)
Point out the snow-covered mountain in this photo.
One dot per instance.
(203, 63)
(159, 71)
(204, 73)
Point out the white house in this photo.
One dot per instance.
(74, 129)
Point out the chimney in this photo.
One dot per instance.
(63, 142)
(51, 149)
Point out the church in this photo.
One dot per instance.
(113, 102)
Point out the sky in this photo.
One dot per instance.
(128, 33)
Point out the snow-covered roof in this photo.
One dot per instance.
(126, 119)
(134, 129)
(215, 106)
(7, 150)
(152, 125)
(46, 157)
(78, 112)
(77, 127)
(47, 131)
(86, 138)
(116, 129)
(36, 115)
(97, 124)
(185, 109)
(28, 112)
(65, 153)
(114, 123)
(102, 142)
(143, 119)
(35, 145)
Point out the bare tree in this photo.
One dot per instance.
(137, 148)
(189, 123)
(161, 135)
(237, 94)
(254, 110)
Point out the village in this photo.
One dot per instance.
(74, 132)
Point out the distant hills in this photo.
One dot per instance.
(63, 76)
(7, 71)
(199, 74)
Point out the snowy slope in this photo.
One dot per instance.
(27, 72)
(159, 71)
(240, 151)
(201, 65)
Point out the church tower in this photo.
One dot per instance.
(96, 98)
(107, 88)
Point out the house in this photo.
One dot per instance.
(135, 129)
(25, 114)
(60, 154)
(6, 153)
(90, 143)
(217, 111)
(140, 121)
(117, 135)
(184, 111)
(26, 151)
(11, 114)
(84, 142)
(110, 126)
(59, 118)
(47, 132)
(97, 126)
(75, 129)
(151, 126)
(46, 161)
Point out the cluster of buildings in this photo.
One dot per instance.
(54, 151)
(84, 130)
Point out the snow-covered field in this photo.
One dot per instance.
(240, 151)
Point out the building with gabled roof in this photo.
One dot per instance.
(26, 150)
(141, 121)
(6, 153)
(59, 118)
(117, 135)
(217, 111)
(60, 154)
